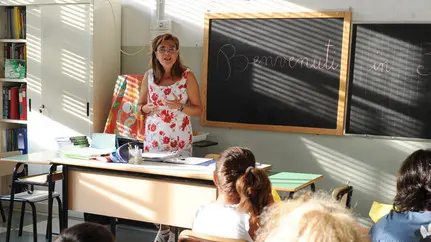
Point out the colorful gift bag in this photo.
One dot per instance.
(124, 117)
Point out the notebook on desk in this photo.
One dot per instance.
(197, 161)
(170, 157)
(84, 153)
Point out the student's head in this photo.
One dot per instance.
(414, 183)
(230, 166)
(86, 232)
(254, 189)
(165, 56)
(317, 219)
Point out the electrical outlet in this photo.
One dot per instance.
(164, 25)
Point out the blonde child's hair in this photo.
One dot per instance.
(316, 218)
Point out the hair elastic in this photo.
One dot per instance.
(248, 169)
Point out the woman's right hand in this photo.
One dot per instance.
(148, 108)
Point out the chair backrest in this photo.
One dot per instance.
(212, 156)
(343, 194)
(190, 236)
(6, 168)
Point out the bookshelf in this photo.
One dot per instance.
(24, 80)
(71, 65)
(13, 41)
(13, 82)
(13, 121)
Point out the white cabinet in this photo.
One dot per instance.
(59, 72)
(73, 61)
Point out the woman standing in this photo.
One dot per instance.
(169, 96)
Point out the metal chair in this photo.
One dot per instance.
(6, 169)
(32, 196)
(343, 194)
(190, 236)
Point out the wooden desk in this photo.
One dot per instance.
(157, 193)
(38, 158)
(292, 182)
(153, 192)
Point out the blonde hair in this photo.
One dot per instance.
(315, 218)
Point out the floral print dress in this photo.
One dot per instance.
(168, 129)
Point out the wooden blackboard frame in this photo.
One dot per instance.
(346, 15)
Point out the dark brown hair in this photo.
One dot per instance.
(86, 232)
(414, 183)
(158, 71)
(230, 166)
(254, 189)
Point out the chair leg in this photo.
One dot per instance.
(48, 224)
(21, 221)
(3, 216)
(60, 218)
(10, 215)
(47, 232)
(33, 210)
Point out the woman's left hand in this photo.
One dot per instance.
(173, 104)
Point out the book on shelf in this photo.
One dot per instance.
(15, 51)
(22, 98)
(74, 141)
(15, 102)
(15, 68)
(16, 139)
(16, 22)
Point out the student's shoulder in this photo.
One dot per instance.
(205, 208)
(220, 210)
(391, 227)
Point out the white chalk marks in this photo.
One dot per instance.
(228, 60)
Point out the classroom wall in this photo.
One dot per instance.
(370, 164)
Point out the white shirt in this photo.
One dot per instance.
(221, 220)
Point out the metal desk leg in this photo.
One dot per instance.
(50, 201)
(313, 187)
(65, 214)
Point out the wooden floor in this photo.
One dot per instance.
(124, 232)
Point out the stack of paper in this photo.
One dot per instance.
(83, 152)
(158, 156)
(191, 161)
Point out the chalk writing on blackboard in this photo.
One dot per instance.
(380, 66)
(422, 70)
(228, 52)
